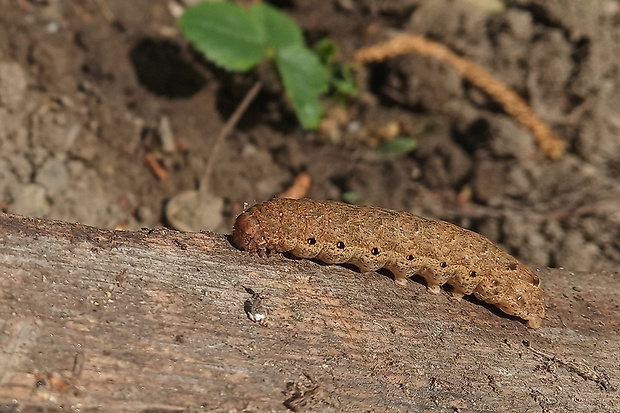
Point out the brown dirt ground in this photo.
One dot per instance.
(85, 87)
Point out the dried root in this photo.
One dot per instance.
(516, 107)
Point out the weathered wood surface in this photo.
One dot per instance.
(101, 320)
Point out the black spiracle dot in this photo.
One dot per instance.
(410, 257)
(340, 245)
(472, 273)
(443, 265)
(311, 241)
(375, 251)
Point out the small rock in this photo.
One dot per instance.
(13, 84)
(489, 6)
(523, 236)
(21, 167)
(510, 139)
(518, 182)
(195, 211)
(164, 130)
(577, 253)
(53, 175)
(29, 200)
(489, 182)
(85, 147)
(8, 179)
(520, 24)
(147, 216)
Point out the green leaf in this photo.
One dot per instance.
(343, 80)
(225, 33)
(237, 40)
(280, 31)
(341, 76)
(346, 87)
(351, 197)
(400, 145)
(326, 49)
(304, 78)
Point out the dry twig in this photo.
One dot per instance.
(299, 188)
(232, 121)
(155, 167)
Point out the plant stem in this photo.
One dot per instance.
(232, 121)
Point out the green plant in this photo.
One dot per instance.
(341, 76)
(400, 145)
(238, 39)
(351, 197)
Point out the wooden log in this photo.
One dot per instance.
(156, 319)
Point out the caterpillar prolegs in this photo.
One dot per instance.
(372, 238)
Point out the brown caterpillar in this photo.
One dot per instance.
(372, 238)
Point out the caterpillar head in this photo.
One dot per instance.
(247, 233)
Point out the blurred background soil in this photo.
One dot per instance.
(89, 89)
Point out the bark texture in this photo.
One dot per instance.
(157, 320)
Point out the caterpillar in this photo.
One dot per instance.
(372, 238)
